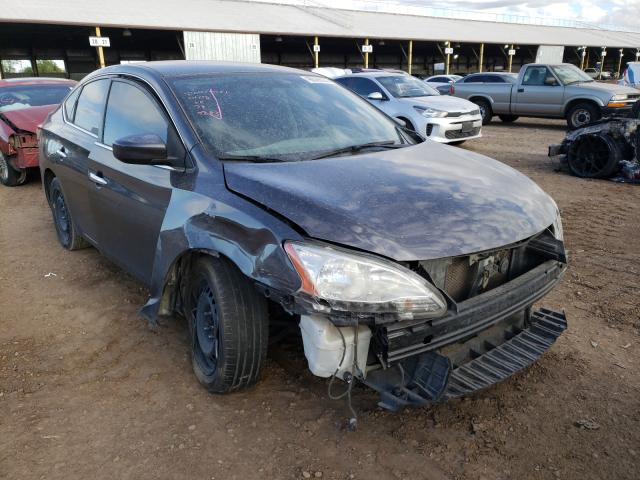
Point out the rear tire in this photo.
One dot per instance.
(66, 230)
(228, 326)
(485, 110)
(9, 176)
(582, 114)
(508, 118)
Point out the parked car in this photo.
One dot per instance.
(597, 75)
(24, 104)
(442, 82)
(546, 91)
(240, 194)
(420, 107)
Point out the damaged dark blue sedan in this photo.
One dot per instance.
(238, 193)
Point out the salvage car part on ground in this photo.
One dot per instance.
(233, 191)
(24, 104)
(604, 149)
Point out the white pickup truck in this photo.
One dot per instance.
(546, 91)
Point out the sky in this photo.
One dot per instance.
(624, 13)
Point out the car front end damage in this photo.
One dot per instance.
(416, 355)
(23, 150)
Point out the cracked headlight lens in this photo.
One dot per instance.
(363, 283)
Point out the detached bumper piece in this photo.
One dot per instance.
(430, 377)
(499, 363)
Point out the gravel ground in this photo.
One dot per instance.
(88, 390)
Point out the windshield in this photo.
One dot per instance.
(25, 96)
(283, 116)
(571, 74)
(404, 86)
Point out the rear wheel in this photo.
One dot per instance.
(9, 176)
(508, 118)
(68, 235)
(594, 156)
(485, 110)
(582, 114)
(228, 326)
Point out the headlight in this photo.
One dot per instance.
(619, 97)
(363, 283)
(431, 112)
(558, 233)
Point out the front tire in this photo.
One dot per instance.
(228, 326)
(68, 235)
(582, 114)
(9, 176)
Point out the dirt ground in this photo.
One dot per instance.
(88, 390)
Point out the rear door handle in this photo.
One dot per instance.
(97, 178)
(520, 90)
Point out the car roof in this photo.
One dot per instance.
(175, 68)
(372, 74)
(12, 82)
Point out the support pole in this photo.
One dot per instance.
(481, 57)
(366, 54)
(316, 53)
(510, 58)
(410, 57)
(620, 63)
(448, 44)
(100, 51)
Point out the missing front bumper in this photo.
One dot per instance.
(431, 377)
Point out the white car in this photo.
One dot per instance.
(438, 117)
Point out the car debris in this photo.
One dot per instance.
(609, 148)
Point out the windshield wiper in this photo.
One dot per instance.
(362, 146)
(250, 158)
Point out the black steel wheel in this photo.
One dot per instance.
(9, 176)
(594, 156)
(68, 236)
(228, 325)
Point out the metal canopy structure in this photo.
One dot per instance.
(287, 19)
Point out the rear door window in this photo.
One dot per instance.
(493, 79)
(90, 106)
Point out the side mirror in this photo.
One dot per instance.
(400, 122)
(375, 96)
(146, 149)
(550, 81)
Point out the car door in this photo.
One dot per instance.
(129, 201)
(70, 148)
(540, 93)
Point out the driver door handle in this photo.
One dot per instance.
(97, 178)
(520, 90)
(62, 153)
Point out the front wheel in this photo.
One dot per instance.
(228, 326)
(582, 114)
(9, 176)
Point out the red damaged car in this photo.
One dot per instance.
(24, 105)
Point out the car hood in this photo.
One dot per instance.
(608, 87)
(27, 119)
(441, 102)
(415, 203)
